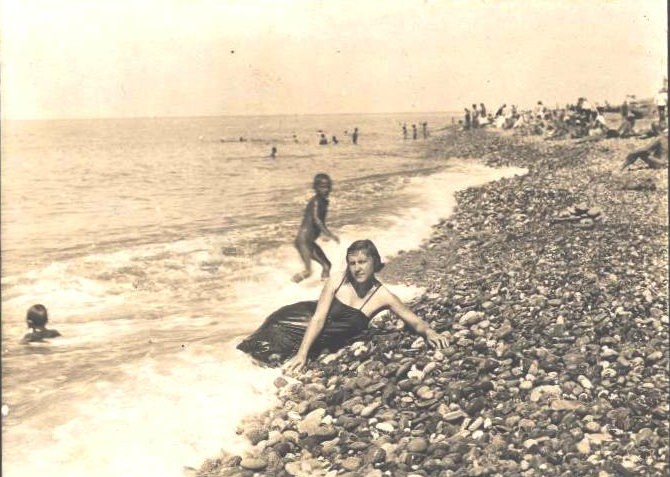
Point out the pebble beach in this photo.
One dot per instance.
(552, 289)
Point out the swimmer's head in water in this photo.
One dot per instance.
(37, 316)
(368, 247)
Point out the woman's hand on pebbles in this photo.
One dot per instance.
(436, 340)
(297, 363)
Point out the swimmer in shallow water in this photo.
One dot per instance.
(313, 225)
(37, 318)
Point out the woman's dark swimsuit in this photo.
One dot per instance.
(281, 334)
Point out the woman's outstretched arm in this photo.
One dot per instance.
(419, 326)
(315, 324)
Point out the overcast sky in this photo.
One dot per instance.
(83, 58)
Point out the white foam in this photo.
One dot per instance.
(160, 416)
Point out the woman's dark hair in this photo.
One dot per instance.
(321, 177)
(37, 316)
(370, 250)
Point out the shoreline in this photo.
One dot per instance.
(552, 288)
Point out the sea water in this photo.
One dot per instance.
(156, 245)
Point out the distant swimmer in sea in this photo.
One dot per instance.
(414, 132)
(323, 140)
(334, 140)
(37, 318)
(295, 138)
(354, 136)
(404, 131)
(424, 129)
(312, 226)
(273, 153)
(299, 331)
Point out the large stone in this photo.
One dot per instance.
(583, 446)
(565, 405)
(310, 424)
(471, 317)
(452, 416)
(370, 409)
(424, 392)
(375, 455)
(325, 432)
(542, 391)
(598, 438)
(417, 445)
(386, 427)
(253, 463)
(256, 434)
(351, 463)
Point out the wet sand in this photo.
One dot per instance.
(552, 288)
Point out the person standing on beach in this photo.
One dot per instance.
(661, 101)
(354, 136)
(414, 133)
(475, 116)
(314, 224)
(468, 120)
(624, 109)
(424, 129)
(404, 131)
(273, 152)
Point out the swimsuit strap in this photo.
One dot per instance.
(340, 285)
(371, 295)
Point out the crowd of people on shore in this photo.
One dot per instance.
(582, 119)
(586, 121)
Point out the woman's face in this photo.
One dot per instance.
(361, 266)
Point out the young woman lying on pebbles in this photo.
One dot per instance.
(347, 303)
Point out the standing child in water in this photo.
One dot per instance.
(37, 318)
(313, 224)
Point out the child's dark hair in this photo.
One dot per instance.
(37, 316)
(370, 250)
(321, 177)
